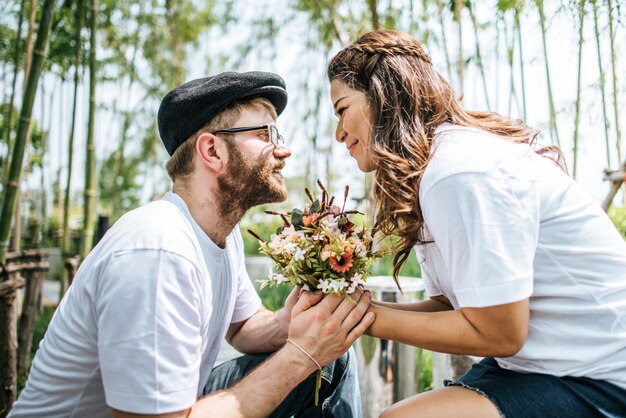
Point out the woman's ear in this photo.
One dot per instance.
(211, 152)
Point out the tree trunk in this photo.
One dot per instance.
(90, 157)
(618, 134)
(9, 117)
(372, 4)
(17, 232)
(80, 13)
(594, 4)
(8, 341)
(510, 56)
(22, 130)
(479, 61)
(34, 275)
(458, 6)
(581, 21)
(118, 168)
(444, 40)
(553, 125)
(518, 29)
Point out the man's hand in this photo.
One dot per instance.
(327, 327)
(283, 317)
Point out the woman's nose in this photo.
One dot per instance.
(340, 134)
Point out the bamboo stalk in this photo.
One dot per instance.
(553, 125)
(618, 134)
(70, 147)
(41, 45)
(90, 157)
(581, 20)
(602, 82)
(479, 61)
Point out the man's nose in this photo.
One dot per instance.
(282, 151)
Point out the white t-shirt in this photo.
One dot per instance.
(508, 224)
(141, 326)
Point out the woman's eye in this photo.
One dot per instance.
(340, 112)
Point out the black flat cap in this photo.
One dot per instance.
(190, 106)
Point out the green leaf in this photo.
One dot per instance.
(315, 207)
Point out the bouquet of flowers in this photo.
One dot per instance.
(318, 247)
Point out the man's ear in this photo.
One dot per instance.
(211, 151)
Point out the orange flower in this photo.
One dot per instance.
(341, 264)
(308, 220)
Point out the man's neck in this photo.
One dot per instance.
(215, 216)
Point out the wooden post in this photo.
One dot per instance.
(386, 368)
(450, 367)
(34, 267)
(10, 282)
(71, 267)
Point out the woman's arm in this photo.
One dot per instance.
(434, 304)
(498, 331)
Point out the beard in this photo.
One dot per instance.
(248, 183)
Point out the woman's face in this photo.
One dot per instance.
(354, 127)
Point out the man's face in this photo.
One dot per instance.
(253, 175)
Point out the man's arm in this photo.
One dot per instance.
(325, 329)
(265, 331)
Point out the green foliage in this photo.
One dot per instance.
(618, 216)
(423, 370)
(262, 224)
(384, 266)
(61, 51)
(273, 298)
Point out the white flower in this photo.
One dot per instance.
(300, 253)
(323, 285)
(338, 285)
(359, 248)
(306, 287)
(356, 280)
(290, 248)
(278, 278)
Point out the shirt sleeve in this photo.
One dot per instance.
(248, 301)
(486, 228)
(427, 275)
(149, 331)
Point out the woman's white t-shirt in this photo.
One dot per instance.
(509, 224)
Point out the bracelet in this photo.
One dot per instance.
(304, 351)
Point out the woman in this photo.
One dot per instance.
(521, 266)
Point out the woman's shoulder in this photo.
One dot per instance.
(460, 149)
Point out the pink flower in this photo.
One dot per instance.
(336, 210)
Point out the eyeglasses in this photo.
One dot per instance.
(272, 134)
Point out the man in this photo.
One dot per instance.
(141, 326)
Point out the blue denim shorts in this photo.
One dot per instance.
(533, 395)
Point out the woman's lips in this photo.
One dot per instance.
(351, 147)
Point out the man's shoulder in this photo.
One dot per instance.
(158, 225)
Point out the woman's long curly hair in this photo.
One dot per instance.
(408, 101)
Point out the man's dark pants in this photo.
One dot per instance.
(339, 395)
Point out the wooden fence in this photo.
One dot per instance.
(23, 269)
